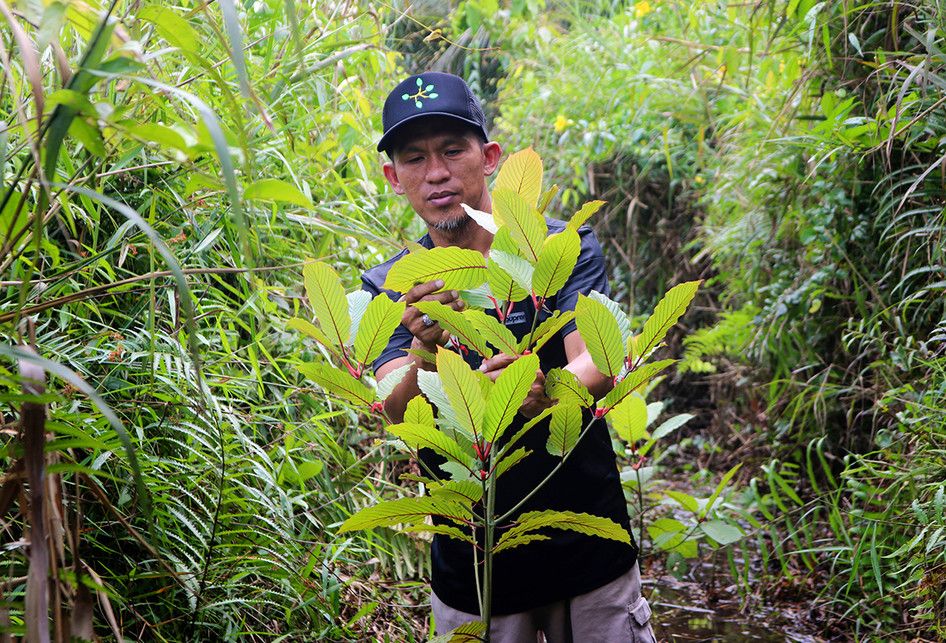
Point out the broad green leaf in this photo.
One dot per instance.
(671, 425)
(521, 539)
(665, 315)
(484, 219)
(634, 380)
(624, 322)
(586, 212)
(430, 384)
(358, 301)
(459, 268)
(526, 226)
(507, 394)
(390, 382)
(581, 522)
(546, 198)
(521, 173)
(517, 268)
(276, 190)
(327, 298)
(419, 411)
(338, 383)
(380, 320)
(668, 534)
(686, 501)
(421, 436)
(161, 135)
(469, 491)
(564, 429)
(462, 389)
(472, 632)
(509, 461)
(562, 385)
(445, 530)
(403, 511)
(719, 489)
(721, 531)
(478, 297)
(601, 334)
(629, 419)
(546, 330)
(457, 324)
(311, 330)
(518, 435)
(556, 263)
(493, 331)
(172, 27)
(501, 283)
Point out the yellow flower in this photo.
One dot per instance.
(641, 8)
(699, 179)
(561, 123)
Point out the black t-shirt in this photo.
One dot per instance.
(569, 564)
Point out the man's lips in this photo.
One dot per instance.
(440, 199)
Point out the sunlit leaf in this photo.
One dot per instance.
(358, 301)
(403, 511)
(546, 330)
(391, 380)
(629, 419)
(562, 385)
(172, 27)
(581, 522)
(671, 425)
(327, 298)
(546, 199)
(526, 226)
(493, 331)
(472, 632)
(586, 212)
(459, 268)
(484, 219)
(665, 315)
(564, 428)
(601, 334)
(419, 411)
(719, 489)
(457, 324)
(507, 395)
(276, 190)
(686, 501)
(720, 531)
(521, 539)
(430, 384)
(624, 322)
(634, 380)
(311, 330)
(381, 318)
(513, 277)
(511, 460)
(445, 530)
(469, 491)
(338, 383)
(421, 436)
(556, 263)
(521, 173)
(462, 389)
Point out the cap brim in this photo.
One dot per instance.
(391, 134)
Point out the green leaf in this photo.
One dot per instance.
(665, 315)
(569, 520)
(562, 385)
(421, 436)
(601, 334)
(472, 632)
(668, 534)
(477, 297)
(546, 330)
(521, 539)
(403, 511)
(719, 489)
(172, 27)
(380, 320)
(629, 419)
(459, 268)
(518, 435)
(276, 190)
(457, 324)
(493, 331)
(509, 461)
(720, 531)
(161, 135)
(522, 174)
(556, 262)
(338, 383)
(546, 198)
(526, 226)
(462, 389)
(586, 212)
(445, 530)
(358, 301)
(564, 429)
(671, 425)
(327, 298)
(484, 219)
(509, 276)
(507, 395)
(419, 411)
(303, 471)
(686, 501)
(634, 380)
(624, 322)
(469, 491)
(431, 386)
(390, 382)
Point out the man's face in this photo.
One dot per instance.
(439, 165)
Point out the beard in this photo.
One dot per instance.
(455, 224)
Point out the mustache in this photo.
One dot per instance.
(452, 225)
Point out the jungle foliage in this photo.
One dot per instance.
(169, 171)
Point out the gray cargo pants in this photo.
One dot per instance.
(612, 613)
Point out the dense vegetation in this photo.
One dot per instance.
(168, 170)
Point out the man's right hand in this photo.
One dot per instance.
(428, 337)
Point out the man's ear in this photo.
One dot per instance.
(492, 151)
(391, 175)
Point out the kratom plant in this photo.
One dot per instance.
(462, 415)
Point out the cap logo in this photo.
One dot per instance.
(422, 92)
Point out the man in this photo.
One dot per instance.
(572, 587)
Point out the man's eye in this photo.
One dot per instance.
(453, 152)
(415, 159)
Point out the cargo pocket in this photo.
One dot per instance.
(641, 629)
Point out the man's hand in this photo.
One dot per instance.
(536, 401)
(428, 337)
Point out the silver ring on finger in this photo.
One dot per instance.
(427, 321)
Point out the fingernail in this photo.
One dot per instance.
(454, 294)
(439, 283)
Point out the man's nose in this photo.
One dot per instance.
(437, 170)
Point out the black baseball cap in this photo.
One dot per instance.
(431, 93)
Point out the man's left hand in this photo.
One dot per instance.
(536, 401)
